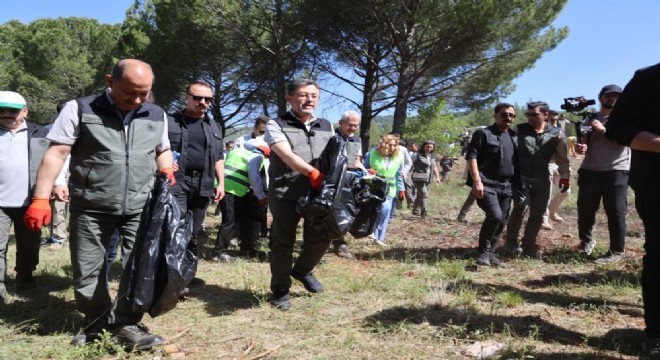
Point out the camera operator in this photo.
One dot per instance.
(603, 174)
(635, 122)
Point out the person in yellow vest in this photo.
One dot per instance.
(386, 161)
(245, 201)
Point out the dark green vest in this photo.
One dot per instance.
(284, 183)
(113, 171)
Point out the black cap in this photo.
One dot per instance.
(610, 89)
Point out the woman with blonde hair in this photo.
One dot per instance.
(386, 161)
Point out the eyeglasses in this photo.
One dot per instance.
(430, 142)
(506, 114)
(307, 95)
(208, 99)
(532, 114)
(11, 110)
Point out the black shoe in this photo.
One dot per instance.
(281, 300)
(343, 252)
(223, 257)
(484, 259)
(496, 262)
(197, 281)
(309, 281)
(136, 336)
(651, 349)
(25, 282)
(531, 253)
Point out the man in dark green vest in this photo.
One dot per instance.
(296, 140)
(117, 141)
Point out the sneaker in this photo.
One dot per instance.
(309, 281)
(137, 336)
(223, 257)
(484, 259)
(651, 348)
(556, 218)
(25, 282)
(610, 258)
(379, 242)
(588, 247)
(496, 262)
(281, 300)
(546, 226)
(343, 252)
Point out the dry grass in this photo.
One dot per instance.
(421, 298)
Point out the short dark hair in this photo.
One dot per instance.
(298, 83)
(501, 106)
(60, 106)
(198, 82)
(263, 119)
(230, 142)
(543, 106)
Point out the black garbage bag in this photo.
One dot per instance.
(369, 197)
(160, 265)
(332, 210)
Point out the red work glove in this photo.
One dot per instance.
(38, 214)
(264, 150)
(563, 185)
(315, 179)
(402, 195)
(371, 171)
(169, 172)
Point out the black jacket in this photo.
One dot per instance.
(485, 147)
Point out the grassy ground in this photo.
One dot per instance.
(422, 297)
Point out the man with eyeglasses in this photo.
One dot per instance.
(492, 171)
(198, 141)
(296, 139)
(22, 145)
(538, 143)
(118, 141)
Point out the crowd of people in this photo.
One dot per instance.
(109, 146)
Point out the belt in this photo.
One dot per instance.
(194, 173)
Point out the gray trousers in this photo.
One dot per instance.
(422, 196)
(59, 220)
(283, 238)
(535, 201)
(27, 242)
(89, 237)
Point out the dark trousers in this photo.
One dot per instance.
(227, 229)
(187, 197)
(467, 205)
(495, 203)
(283, 238)
(612, 187)
(248, 215)
(647, 202)
(27, 242)
(534, 200)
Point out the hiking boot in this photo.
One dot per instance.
(496, 262)
(343, 252)
(651, 348)
(484, 259)
(137, 336)
(422, 214)
(546, 226)
(223, 257)
(587, 247)
(531, 253)
(511, 251)
(281, 300)
(309, 281)
(25, 282)
(462, 219)
(610, 258)
(556, 218)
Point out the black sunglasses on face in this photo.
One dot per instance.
(199, 98)
(504, 114)
(11, 110)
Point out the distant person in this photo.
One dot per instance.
(424, 171)
(446, 164)
(59, 232)
(413, 148)
(559, 196)
(405, 170)
(256, 137)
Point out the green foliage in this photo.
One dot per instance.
(433, 122)
(510, 299)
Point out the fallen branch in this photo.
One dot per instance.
(179, 334)
(247, 351)
(265, 353)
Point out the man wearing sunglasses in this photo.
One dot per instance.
(198, 141)
(22, 145)
(492, 172)
(538, 143)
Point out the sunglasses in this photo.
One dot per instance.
(506, 114)
(11, 110)
(208, 99)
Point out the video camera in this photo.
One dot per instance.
(577, 106)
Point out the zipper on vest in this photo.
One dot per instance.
(124, 135)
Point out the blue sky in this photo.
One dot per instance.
(608, 41)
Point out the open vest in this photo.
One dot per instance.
(285, 183)
(386, 168)
(113, 170)
(237, 181)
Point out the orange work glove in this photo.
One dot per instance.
(38, 214)
(315, 179)
(169, 172)
(264, 150)
(402, 195)
(371, 171)
(563, 185)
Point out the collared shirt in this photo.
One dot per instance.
(274, 133)
(66, 127)
(14, 167)
(492, 157)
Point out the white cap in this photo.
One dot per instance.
(10, 99)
